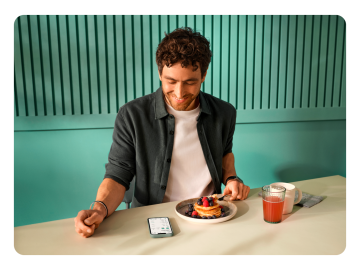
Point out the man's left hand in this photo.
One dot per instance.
(237, 190)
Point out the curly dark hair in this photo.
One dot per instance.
(185, 45)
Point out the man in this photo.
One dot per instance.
(177, 140)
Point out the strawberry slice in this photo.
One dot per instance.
(194, 213)
(205, 198)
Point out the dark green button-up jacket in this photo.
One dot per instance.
(143, 141)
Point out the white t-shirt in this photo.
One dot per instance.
(189, 175)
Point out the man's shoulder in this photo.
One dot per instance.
(219, 105)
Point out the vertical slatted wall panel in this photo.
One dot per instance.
(87, 65)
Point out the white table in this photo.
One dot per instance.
(317, 230)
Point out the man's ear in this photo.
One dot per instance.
(203, 78)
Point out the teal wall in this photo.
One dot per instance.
(284, 74)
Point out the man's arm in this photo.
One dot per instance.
(111, 193)
(236, 189)
(228, 166)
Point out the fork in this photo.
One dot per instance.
(222, 198)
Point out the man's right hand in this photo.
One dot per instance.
(87, 221)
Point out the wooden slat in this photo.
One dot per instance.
(338, 61)
(258, 62)
(291, 60)
(330, 61)
(207, 85)
(18, 71)
(343, 99)
(225, 55)
(283, 62)
(147, 51)
(266, 63)
(216, 79)
(299, 63)
(309, 22)
(233, 59)
(46, 63)
(28, 74)
(315, 62)
(274, 67)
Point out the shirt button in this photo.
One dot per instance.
(171, 132)
(163, 187)
(168, 160)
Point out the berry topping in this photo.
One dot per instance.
(213, 216)
(209, 217)
(221, 206)
(222, 210)
(223, 214)
(210, 198)
(194, 213)
(199, 202)
(211, 203)
(194, 216)
(205, 198)
(204, 217)
(186, 212)
(206, 203)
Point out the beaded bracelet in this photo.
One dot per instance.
(103, 205)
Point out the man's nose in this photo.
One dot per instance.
(179, 90)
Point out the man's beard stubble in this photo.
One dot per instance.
(181, 107)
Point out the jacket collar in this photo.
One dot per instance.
(160, 109)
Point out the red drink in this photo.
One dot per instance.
(273, 208)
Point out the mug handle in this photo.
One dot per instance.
(299, 196)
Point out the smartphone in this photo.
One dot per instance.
(160, 227)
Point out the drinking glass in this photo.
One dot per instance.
(273, 203)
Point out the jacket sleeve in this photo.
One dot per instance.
(121, 160)
(229, 141)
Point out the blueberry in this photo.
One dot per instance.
(213, 216)
(190, 205)
(198, 217)
(222, 210)
(223, 214)
(209, 217)
(194, 216)
(211, 198)
(204, 217)
(211, 203)
(200, 203)
(186, 212)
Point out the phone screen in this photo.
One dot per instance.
(159, 225)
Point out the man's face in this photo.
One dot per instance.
(181, 86)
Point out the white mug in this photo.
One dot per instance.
(289, 196)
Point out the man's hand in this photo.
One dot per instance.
(237, 190)
(87, 221)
